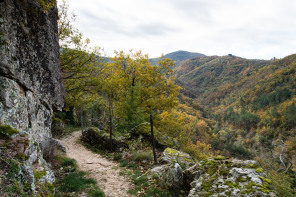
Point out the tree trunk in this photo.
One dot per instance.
(92, 118)
(81, 121)
(104, 121)
(110, 123)
(152, 139)
(282, 153)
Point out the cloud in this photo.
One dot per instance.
(154, 29)
(94, 22)
(195, 10)
(251, 29)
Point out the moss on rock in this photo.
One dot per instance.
(225, 177)
(46, 190)
(175, 156)
(7, 130)
(38, 175)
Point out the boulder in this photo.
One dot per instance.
(170, 155)
(101, 140)
(169, 177)
(157, 171)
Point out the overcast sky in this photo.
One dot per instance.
(256, 29)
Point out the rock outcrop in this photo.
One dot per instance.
(224, 177)
(99, 139)
(170, 155)
(31, 85)
(215, 177)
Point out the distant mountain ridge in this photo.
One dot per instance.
(179, 57)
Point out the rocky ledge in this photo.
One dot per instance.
(213, 177)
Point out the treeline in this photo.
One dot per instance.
(242, 119)
(271, 99)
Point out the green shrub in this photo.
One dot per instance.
(239, 151)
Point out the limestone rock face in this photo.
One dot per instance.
(31, 85)
(30, 76)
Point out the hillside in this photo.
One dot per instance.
(178, 56)
(211, 78)
(217, 81)
(253, 101)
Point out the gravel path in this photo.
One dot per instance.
(104, 171)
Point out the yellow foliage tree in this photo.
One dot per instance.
(79, 63)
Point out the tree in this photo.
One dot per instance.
(112, 86)
(128, 108)
(131, 79)
(276, 165)
(79, 63)
(122, 83)
(289, 118)
(133, 67)
(158, 92)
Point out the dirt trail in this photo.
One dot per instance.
(104, 171)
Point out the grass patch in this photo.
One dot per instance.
(142, 156)
(96, 193)
(68, 164)
(132, 165)
(11, 181)
(129, 164)
(145, 187)
(76, 181)
(117, 157)
(69, 179)
(123, 163)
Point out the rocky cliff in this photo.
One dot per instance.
(31, 85)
